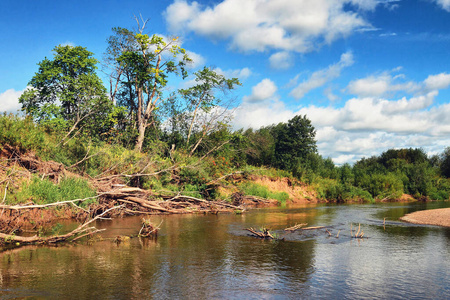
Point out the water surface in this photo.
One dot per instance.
(212, 256)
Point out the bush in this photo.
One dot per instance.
(21, 132)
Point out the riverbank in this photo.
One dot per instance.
(439, 217)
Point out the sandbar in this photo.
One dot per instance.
(439, 217)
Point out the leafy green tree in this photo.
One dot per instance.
(66, 90)
(445, 163)
(207, 107)
(261, 146)
(294, 141)
(140, 67)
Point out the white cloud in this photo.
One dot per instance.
(383, 84)
(258, 25)
(197, 60)
(265, 90)
(241, 74)
(281, 60)
(9, 101)
(255, 116)
(439, 81)
(321, 77)
(445, 4)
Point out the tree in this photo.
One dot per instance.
(445, 163)
(66, 89)
(141, 65)
(294, 141)
(207, 107)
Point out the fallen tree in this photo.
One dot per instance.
(79, 232)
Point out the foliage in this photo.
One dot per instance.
(21, 132)
(295, 140)
(140, 68)
(66, 92)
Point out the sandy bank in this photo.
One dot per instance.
(439, 217)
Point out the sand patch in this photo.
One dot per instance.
(439, 217)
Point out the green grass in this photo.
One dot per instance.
(43, 191)
(253, 189)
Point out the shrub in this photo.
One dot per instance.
(21, 132)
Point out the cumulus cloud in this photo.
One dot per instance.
(384, 84)
(439, 81)
(197, 60)
(9, 101)
(321, 77)
(380, 85)
(283, 25)
(445, 4)
(281, 60)
(265, 90)
(251, 115)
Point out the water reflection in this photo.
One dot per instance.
(212, 257)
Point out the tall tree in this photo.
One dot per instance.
(141, 65)
(66, 89)
(207, 106)
(294, 141)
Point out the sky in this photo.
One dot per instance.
(371, 75)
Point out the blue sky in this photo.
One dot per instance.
(370, 74)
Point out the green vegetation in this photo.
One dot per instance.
(43, 191)
(254, 189)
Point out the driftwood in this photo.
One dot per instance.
(264, 234)
(295, 227)
(312, 228)
(193, 199)
(359, 234)
(81, 231)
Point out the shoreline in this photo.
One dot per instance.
(437, 217)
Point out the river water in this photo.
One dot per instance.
(212, 257)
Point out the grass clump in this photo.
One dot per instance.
(254, 189)
(44, 191)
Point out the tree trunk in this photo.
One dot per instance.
(141, 136)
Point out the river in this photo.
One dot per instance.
(212, 257)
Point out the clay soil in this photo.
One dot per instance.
(439, 217)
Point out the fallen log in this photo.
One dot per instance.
(312, 228)
(75, 234)
(147, 204)
(295, 227)
(193, 199)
